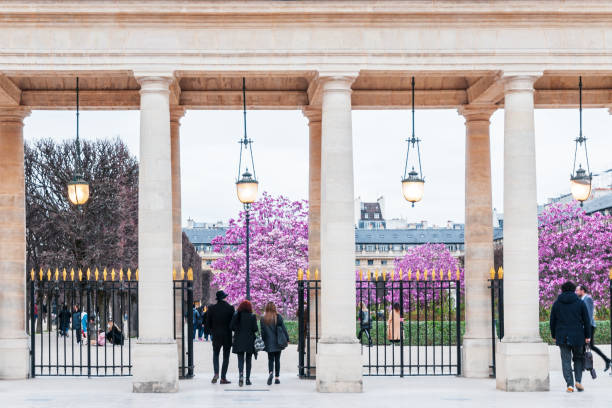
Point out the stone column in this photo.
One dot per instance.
(314, 224)
(155, 357)
(338, 357)
(176, 113)
(522, 357)
(478, 242)
(14, 342)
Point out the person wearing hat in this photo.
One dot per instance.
(218, 321)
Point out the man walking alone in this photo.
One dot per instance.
(570, 328)
(218, 321)
(583, 293)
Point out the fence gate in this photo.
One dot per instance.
(183, 324)
(496, 284)
(82, 324)
(406, 327)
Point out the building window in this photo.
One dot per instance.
(209, 262)
(370, 262)
(358, 248)
(383, 248)
(357, 262)
(370, 248)
(397, 247)
(377, 216)
(383, 262)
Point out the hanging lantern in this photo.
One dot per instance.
(246, 185)
(580, 180)
(78, 188)
(413, 183)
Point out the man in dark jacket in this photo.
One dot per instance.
(218, 321)
(570, 328)
(583, 294)
(76, 322)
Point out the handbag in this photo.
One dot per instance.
(588, 362)
(259, 344)
(281, 338)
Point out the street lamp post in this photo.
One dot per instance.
(413, 183)
(78, 188)
(580, 180)
(246, 189)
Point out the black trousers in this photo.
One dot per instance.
(595, 348)
(77, 334)
(365, 330)
(274, 362)
(226, 353)
(241, 359)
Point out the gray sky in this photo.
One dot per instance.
(209, 154)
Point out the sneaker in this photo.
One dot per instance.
(607, 366)
(248, 381)
(579, 387)
(224, 381)
(277, 381)
(241, 381)
(215, 379)
(570, 388)
(270, 379)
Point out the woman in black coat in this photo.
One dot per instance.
(244, 326)
(275, 337)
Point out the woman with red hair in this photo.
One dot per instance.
(244, 326)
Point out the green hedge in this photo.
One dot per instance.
(430, 329)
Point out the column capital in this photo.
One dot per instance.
(519, 81)
(476, 112)
(154, 82)
(313, 114)
(337, 81)
(176, 113)
(14, 113)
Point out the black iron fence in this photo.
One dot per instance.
(183, 322)
(406, 327)
(83, 323)
(496, 285)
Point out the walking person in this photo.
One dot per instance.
(394, 324)
(275, 337)
(205, 328)
(198, 325)
(570, 328)
(583, 294)
(244, 326)
(218, 320)
(76, 323)
(365, 323)
(63, 320)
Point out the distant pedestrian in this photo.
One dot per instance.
(365, 323)
(570, 328)
(204, 325)
(63, 321)
(583, 293)
(76, 323)
(244, 326)
(199, 323)
(275, 337)
(394, 323)
(218, 320)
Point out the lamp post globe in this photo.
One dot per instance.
(580, 185)
(78, 191)
(413, 187)
(246, 188)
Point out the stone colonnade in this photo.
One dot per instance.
(522, 356)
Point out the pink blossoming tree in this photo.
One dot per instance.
(574, 246)
(278, 248)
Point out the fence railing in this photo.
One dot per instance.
(406, 327)
(496, 285)
(183, 321)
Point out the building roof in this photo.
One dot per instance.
(598, 204)
(203, 235)
(415, 236)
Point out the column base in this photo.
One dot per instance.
(155, 367)
(522, 367)
(15, 358)
(339, 367)
(476, 358)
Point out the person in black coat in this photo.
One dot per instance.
(64, 318)
(570, 328)
(218, 321)
(76, 322)
(275, 337)
(244, 326)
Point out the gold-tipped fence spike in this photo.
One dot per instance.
(316, 273)
(190, 274)
(369, 275)
(56, 274)
(492, 273)
(113, 274)
(49, 274)
(129, 274)
(384, 275)
(307, 274)
(88, 274)
(376, 274)
(441, 274)
(425, 274)
(173, 273)
(392, 274)
(136, 274)
(300, 274)
(401, 274)
(448, 275)
(418, 275)
(40, 274)
(182, 273)
(64, 273)
(409, 274)
(32, 273)
(104, 274)
(360, 275)
(121, 274)
(72, 274)
(500, 273)
(97, 274)
(610, 274)
(433, 274)
(458, 274)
